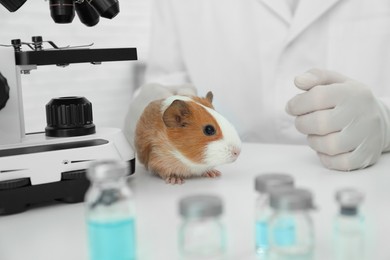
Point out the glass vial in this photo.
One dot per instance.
(265, 183)
(349, 235)
(110, 212)
(291, 235)
(201, 234)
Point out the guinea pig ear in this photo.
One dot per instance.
(177, 114)
(209, 96)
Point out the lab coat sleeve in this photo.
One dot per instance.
(386, 117)
(165, 63)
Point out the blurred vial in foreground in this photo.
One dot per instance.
(349, 235)
(291, 233)
(265, 183)
(201, 234)
(110, 212)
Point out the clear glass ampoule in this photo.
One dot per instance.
(110, 212)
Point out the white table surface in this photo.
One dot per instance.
(58, 231)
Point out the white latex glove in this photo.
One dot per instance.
(346, 125)
(146, 94)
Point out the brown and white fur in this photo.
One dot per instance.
(183, 136)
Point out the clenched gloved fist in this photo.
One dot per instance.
(146, 94)
(346, 125)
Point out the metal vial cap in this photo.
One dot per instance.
(265, 183)
(349, 197)
(107, 169)
(291, 199)
(200, 206)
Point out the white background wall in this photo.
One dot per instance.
(108, 86)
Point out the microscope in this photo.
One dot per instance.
(51, 165)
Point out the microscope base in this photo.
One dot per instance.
(17, 200)
(43, 169)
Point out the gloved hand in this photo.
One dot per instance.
(146, 94)
(346, 124)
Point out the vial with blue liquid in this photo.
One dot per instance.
(291, 232)
(264, 183)
(349, 227)
(110, 212)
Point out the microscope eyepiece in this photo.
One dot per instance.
(62, 11)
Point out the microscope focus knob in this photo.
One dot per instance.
(69, 116)
(4, 91)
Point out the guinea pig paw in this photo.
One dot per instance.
(174, 180)
(212, 174)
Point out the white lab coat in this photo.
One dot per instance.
(249, 51)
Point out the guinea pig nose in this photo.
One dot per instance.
(235, 151)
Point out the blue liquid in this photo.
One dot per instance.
(261, 236)
(284, 232)
(112, 240)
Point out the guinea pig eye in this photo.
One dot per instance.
(209, 130)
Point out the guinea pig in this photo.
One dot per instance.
(183, 136)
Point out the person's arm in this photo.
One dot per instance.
(165, 74)
(346, 124)
(165, 64)
(386, 115)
